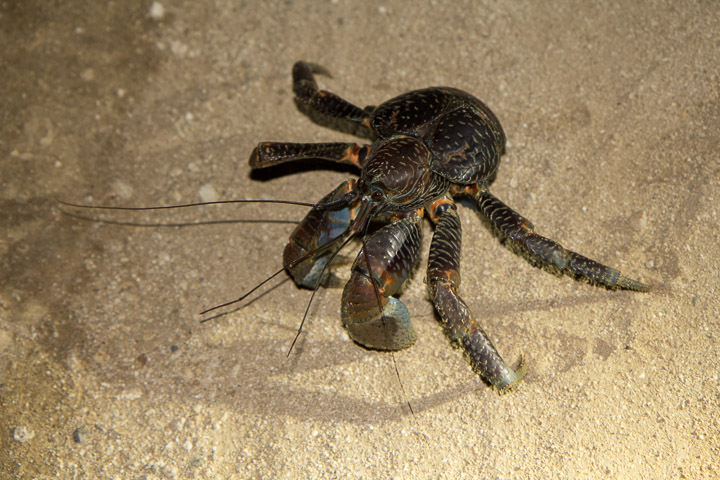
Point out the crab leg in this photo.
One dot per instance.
(373, 317)
(520, 230)
(443, 278)
(268, 154)
(307, 93)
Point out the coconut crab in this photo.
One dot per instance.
(430, 146)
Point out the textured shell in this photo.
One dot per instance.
(400, 167)
(463, 135)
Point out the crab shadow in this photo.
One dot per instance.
(312, 382)
(300, 166)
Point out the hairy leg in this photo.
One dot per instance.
(521, 231)
(443, 277)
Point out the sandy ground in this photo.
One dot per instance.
(612, 115)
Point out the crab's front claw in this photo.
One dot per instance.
(373, 317)
(389, 329)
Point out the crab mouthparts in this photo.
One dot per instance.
(367, 209)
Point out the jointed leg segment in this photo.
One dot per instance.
(307, 93)
(443, 277)
(268, 154)
(306, 90)
(520, 230)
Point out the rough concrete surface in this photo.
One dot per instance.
(612, 113)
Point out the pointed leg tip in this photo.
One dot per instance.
(315, 68)
(630, 284)
(508, 382)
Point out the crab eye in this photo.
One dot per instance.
(377, 195)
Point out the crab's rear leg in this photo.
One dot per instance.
(307, 93)
(443, 277)
(372, 317)
(520, 230)
(268, 154)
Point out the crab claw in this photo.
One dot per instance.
(389, 329)
(372, 316)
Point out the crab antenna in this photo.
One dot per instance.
(289, 265)
(240, 299)
(184, 205)
(325, 267)
(384, 320)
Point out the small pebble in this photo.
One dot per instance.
(178, 48)
(88, 75)
(179, 424)
(23, 434)
(122, 189)
(132, 394)
(208, 193)
(157, 11)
